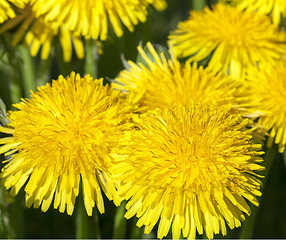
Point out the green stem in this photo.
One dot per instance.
(198, 4)
(81, 220)
(96, 227)
(86, 227)
(248, 226)
(27, 71)
(43, 72)
(16, 91)
(120, 222)
(17, 215)
(136, 232)
(91, 58)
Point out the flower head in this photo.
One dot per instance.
(277, 8)
(61, 136)
(268, 85)
(90, 18)
(191, 167)
(235, 38)
(73, 19)
(161, 82)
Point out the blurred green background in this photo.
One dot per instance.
(20, 73)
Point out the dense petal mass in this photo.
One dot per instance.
(190, 168)
(61, 136)
(268, 85)
(161, 81)
(235, 38)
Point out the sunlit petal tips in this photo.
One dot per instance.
(268, 85)
(189, 168)
(62, 136)
(246, 38)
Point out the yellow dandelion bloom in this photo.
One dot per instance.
(236, 39)
(189, 167)
(268, 84)
(161, 82)
(90, 18)
(277, 8)
(72, 19)
(6, 10)
(61, 136)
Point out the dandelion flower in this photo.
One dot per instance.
(191, 167)
(277, 8)
(235, 38)
(72, 19)
(62, 136)
(164, 81)
(268, 84)
(90, 18)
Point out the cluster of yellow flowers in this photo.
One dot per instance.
(175, 140)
